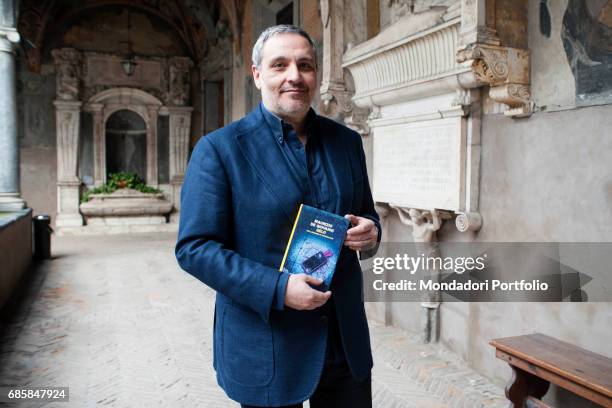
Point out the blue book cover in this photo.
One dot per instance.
(315, 243)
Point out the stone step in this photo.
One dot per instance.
(117, 229)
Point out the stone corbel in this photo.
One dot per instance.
(506, 71)
(468, 221)
(382, 209)
(424, 223)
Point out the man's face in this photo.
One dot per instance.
(287, 76)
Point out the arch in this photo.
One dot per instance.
(125, 96)
(106, 103)
(125, 134)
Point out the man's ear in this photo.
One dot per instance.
(256, 76)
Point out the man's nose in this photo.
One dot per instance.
(293, 73)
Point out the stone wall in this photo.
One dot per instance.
(544, 178)
(15, 250)
(541, 179)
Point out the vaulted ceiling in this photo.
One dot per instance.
(179, 27)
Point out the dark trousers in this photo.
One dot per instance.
(338, 389)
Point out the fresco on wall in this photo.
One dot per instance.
(587, 39)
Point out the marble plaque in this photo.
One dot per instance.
(420, 164)
(107, 70)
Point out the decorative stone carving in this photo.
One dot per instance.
(103, 105)
(151, 125)
(470, 221)
(400, 8)
(99, 141)
(179, 80)
(424, 223)
(334, 96)
(68, 73)
(67, 122)
(423, 62)
(505, 70)
(216, 61)
(425, 114)
(357, 119)
(335, 93)
(67, 144)
(180, 126)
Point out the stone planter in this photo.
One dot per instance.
(126, 207)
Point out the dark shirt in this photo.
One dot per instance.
(307, 165)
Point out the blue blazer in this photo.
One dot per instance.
(237, 210)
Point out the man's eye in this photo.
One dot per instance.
(278, 65)
(306, 66)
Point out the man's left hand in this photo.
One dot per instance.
(363, 234)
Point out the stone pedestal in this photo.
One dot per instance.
(68, 204)
(67, 132)
(10, 198)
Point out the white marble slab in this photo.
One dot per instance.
(421, 164)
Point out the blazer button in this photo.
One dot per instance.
(324, 319)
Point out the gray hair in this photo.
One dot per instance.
(275, 30)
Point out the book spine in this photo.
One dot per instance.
(295, 223)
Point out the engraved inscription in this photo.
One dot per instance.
(420, 164)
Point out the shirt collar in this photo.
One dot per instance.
(280, 128)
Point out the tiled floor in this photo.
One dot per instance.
(116, 320)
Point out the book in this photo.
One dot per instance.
(315, 244)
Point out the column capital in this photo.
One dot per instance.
(93, 107)
(67, 105)
(9, 37)
(176, 110)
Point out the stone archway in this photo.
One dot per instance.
(105, 104)
(126, 143)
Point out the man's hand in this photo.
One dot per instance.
(363, 235)
(299, 295)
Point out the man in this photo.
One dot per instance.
(279, 341)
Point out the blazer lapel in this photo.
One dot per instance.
(265, 157)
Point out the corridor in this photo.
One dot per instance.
(115, 319)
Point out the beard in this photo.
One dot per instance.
(289, 106)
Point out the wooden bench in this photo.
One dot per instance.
(538, 360)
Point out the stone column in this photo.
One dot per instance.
(10, 197)
(68, 115)
(99, 143)
(152, 178)
(67, 125)
(180, 126)
(336, 89)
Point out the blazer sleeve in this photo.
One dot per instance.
(203, 248)
(367, 202)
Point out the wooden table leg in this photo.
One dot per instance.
(523, 384)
